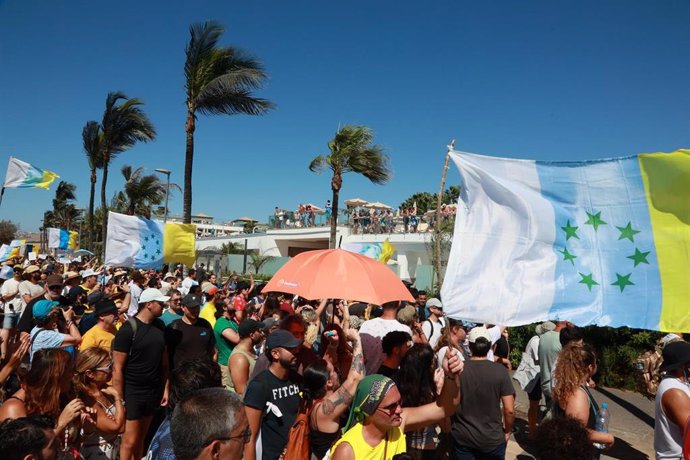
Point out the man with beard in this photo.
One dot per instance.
(52, 292)
(272, 398)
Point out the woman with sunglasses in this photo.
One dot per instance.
(93, 370)
(377, 423)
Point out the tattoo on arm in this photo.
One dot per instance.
(342, 396)
(358, 363)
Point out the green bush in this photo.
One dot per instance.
(616, 348)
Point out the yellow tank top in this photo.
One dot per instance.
(393, 444)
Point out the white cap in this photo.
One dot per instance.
(479, 332)
(151, 295)
(89, 272)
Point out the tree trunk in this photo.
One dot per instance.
(336, 184)
(92, 196)
(190, 126)
(104, 205)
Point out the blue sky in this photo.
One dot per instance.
(533, 79)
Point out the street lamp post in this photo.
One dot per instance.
(81, 219)
(167, 190)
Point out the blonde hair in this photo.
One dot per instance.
(572, 369)
(89, 359)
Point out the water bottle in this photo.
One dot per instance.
(602, 425)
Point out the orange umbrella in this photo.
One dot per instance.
(338, 274)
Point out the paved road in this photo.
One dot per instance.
(632, 423)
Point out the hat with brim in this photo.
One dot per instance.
(191, 301)
(675, 355)
(479, 332)
(282, 339)
(120, 272)
(247, 326)
(544, 327)
(105, 307)
(71, 276)
(42, 308)
(434, 302)
(31, 269)
(152, 295)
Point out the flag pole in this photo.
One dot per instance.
(2, 193)
(437, 219)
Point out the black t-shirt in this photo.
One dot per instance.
(478, 422)
(387, 371)
(284, 394)
(143, 371)
(189, 342)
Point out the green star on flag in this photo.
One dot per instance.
(568, 256)
(639, 257)
(627, 232)
(587, 279)
(595, 220)
(622, 281)
(570, 231)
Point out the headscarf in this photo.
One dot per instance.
(370, 392)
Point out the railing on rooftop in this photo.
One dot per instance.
(361, 224)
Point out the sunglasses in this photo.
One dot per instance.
(107, 368)
(391, 408)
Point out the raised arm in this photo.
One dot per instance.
(335, 405)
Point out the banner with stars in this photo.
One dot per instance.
(598, 242)
(143, 243)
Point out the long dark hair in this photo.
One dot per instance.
(314, 381)
(344, 347)
(415, 378)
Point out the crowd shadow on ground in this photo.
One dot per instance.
(621, 449)
(631, 408)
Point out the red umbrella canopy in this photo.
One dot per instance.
(338, 274)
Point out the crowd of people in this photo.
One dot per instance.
(113, 363)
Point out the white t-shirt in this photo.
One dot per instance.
(668, 437)
(187, 284)
(11, 287)
(371, 333)
(432, 331)
(135, 292)
(33, 290)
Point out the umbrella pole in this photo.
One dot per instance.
(437, 220)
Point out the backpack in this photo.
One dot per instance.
(647, 367)
(134, 325)
(297, 447)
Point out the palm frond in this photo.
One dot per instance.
(92, 142)
(202, 42)
(318, 164)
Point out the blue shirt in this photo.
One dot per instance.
(161, 447)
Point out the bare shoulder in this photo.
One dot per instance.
(344, 451)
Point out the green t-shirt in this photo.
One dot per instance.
(223, 345)
(549, 346)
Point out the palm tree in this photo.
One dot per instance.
(124, 124)
(351, 151)
(91, 137)
(218, 80)
(141, 191)
(64, 213)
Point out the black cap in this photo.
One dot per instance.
(92, 298)
(104, 307)
(191, 301)
(675, 355)
(282, 339)
(247, 326)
